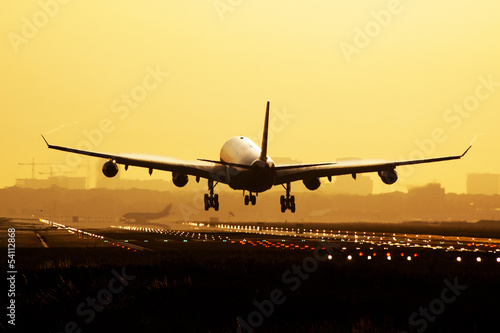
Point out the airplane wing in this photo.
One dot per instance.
(201, 169)
(291, 173)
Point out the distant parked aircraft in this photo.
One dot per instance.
(144, 218)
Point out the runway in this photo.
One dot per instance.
(349, 245)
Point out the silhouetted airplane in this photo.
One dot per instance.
(143, 218)
(245, 166)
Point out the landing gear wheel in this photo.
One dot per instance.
(288, 201)
(207, 202)
(216, 202)
(250, 198)
(211, 200)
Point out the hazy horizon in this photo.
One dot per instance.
(429, 203)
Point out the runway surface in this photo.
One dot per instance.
(348, 245)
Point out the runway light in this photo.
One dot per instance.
(498, 259)
(459, 259)
(478, 259)
(349, 257)
(369, 257)
(389, 258)
(408, 258)
(360, 254)
(330, 257)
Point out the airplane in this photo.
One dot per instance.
(245, 166)
(144, 218)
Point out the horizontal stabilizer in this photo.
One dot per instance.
(244, 166)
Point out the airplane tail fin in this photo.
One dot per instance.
(263, 154)
(166, 210)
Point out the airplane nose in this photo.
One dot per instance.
(259, 164)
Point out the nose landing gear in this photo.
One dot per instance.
(250, 199)
(287, 202)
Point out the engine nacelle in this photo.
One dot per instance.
(179, 179)
(388, 176)
(110, 169)
(312, 183)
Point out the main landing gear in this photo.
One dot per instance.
(211, 200)
(287, 202)
(250, 199)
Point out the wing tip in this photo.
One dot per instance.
(45, 140)
(465, 152)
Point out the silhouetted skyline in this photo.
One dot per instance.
(106, 207)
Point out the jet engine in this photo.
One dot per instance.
(312, 183)
(388, 176)
(179, 179)
(110, 169)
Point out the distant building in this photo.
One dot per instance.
(430, 192)
(428, 199)
(74, 183)
(483, 183)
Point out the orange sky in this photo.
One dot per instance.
(387, 79)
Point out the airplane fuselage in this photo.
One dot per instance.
(241, 150)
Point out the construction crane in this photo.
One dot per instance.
(51, 173)
(33, 166)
